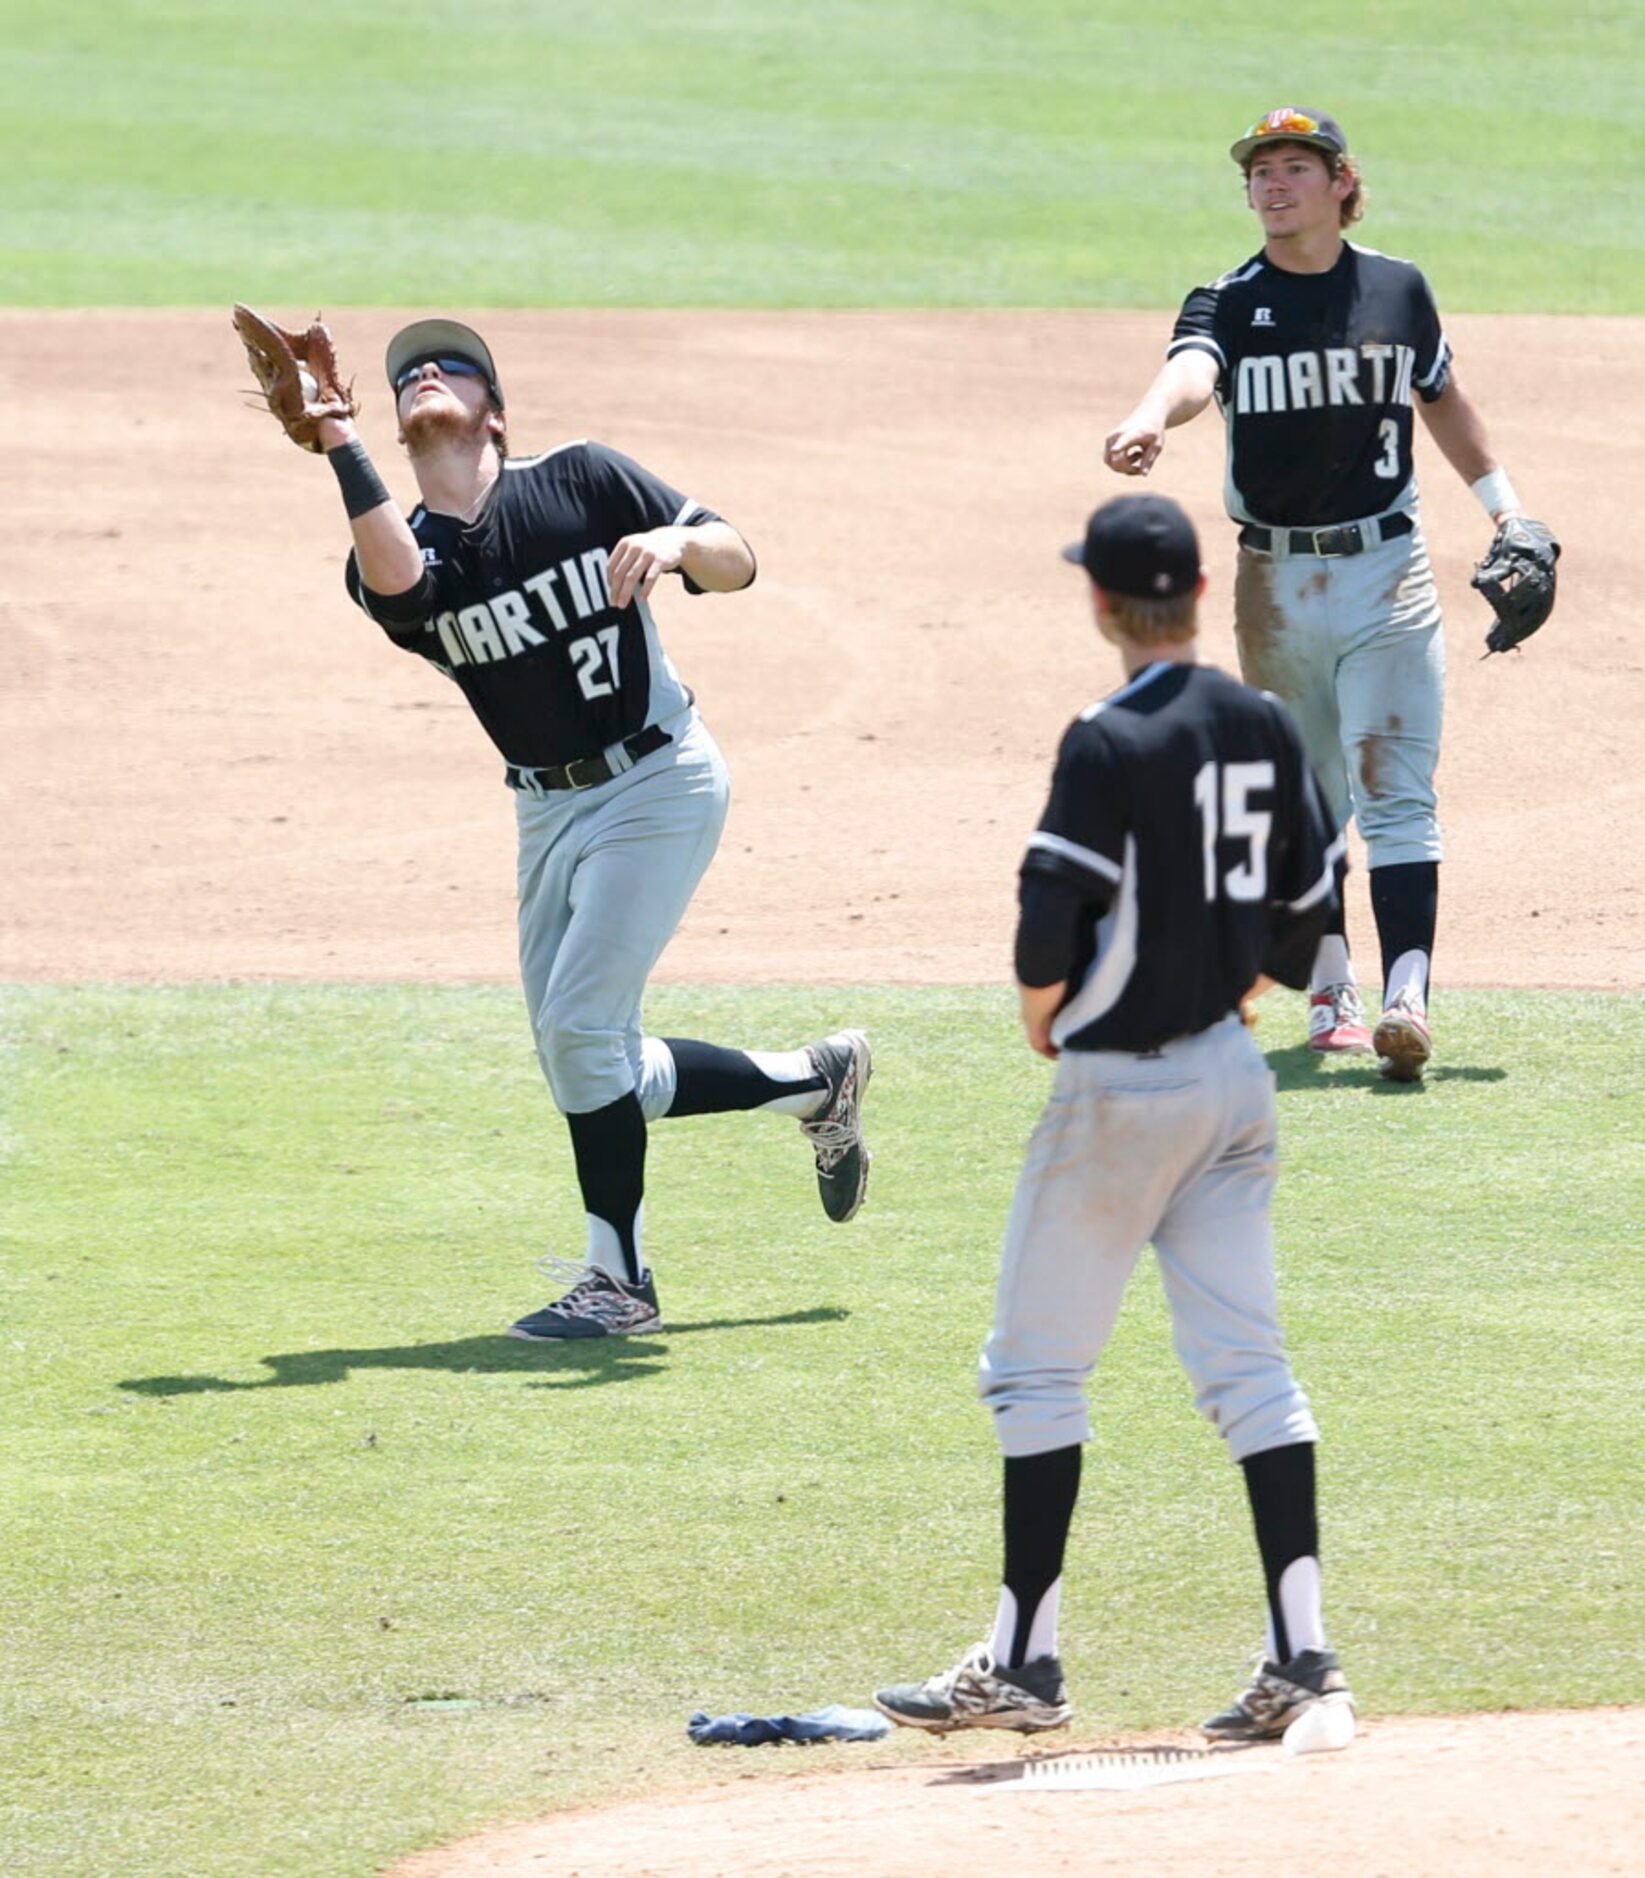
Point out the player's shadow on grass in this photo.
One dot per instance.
(1302, 1068)
(583, 1364)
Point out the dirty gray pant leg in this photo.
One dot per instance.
(1177, 1149)
(1354, 646)
(1102, 1166)
(605, 877)
(1216, 1257)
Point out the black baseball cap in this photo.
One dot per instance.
(1143, 546)
(423, 340)
(1292, 123)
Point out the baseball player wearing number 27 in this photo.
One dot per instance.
(1313, 350)
(1185, 855)
(529, 581)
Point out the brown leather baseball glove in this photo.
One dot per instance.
(297, 375)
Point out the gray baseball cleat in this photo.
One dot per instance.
(1278, 1694)
(597, 1305)
(845, 1063)
(980, 1693)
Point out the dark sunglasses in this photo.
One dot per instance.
(449, 368)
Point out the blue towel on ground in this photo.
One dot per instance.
(824, 1724)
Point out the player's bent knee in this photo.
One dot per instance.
(586, 1068)
(1036, 1411)
(1259, 1413)
(1024, 1428)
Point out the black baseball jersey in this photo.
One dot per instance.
(1315, 376)
(519, 612)
(1184, 811)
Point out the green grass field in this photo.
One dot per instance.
(737, 153)
(306, 1564)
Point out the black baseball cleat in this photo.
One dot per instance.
(597, 1305)
(1278, 1694)
(980, 1693)
(845, 1063)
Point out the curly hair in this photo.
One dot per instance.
(1352, 206)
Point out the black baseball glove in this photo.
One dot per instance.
(1517, 577)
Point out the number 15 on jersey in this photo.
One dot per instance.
(1222, 793)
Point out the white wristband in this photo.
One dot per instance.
(1494, 492)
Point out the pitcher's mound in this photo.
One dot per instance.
(1475, 1796)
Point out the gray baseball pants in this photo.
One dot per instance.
(1177, 1148)
(605, 875)
(1353, 644)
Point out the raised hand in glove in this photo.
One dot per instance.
(1517, 577)
(297, 375)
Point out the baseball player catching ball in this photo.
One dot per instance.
(528, 581)
(1185, 853)
(1315, 350)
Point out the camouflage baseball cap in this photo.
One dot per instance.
(1291, 123)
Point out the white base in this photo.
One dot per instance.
(1324, 1727)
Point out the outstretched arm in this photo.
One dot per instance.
(1182, 390)
(389, 558)
(302, 384)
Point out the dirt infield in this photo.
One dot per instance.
(1481, 1796)
(212, 767)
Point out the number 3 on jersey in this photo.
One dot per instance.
(1222, 793)
(589, 655)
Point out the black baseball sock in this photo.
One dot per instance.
(609, 1147)
(1280, 1482)
(1405, 904)
(1040, 1493)
(710, 1080)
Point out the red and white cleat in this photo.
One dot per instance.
(1336, 1021)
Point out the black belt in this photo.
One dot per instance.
(1345, 538)
(587, 770)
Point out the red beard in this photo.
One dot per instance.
(441, 423)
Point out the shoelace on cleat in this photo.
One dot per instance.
(835, 1132)
(832, 1140)
(593, 1293)
(1270, 1695)
(572, 1273)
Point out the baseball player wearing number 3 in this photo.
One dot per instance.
(1315, 349)
(528, 581)
(1185, 852)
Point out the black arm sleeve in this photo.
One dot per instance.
(397, 613)
(1053, 910)
(410, 608)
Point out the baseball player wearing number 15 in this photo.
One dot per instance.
(528, 582)
(1316, 350)
(1185, 853)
